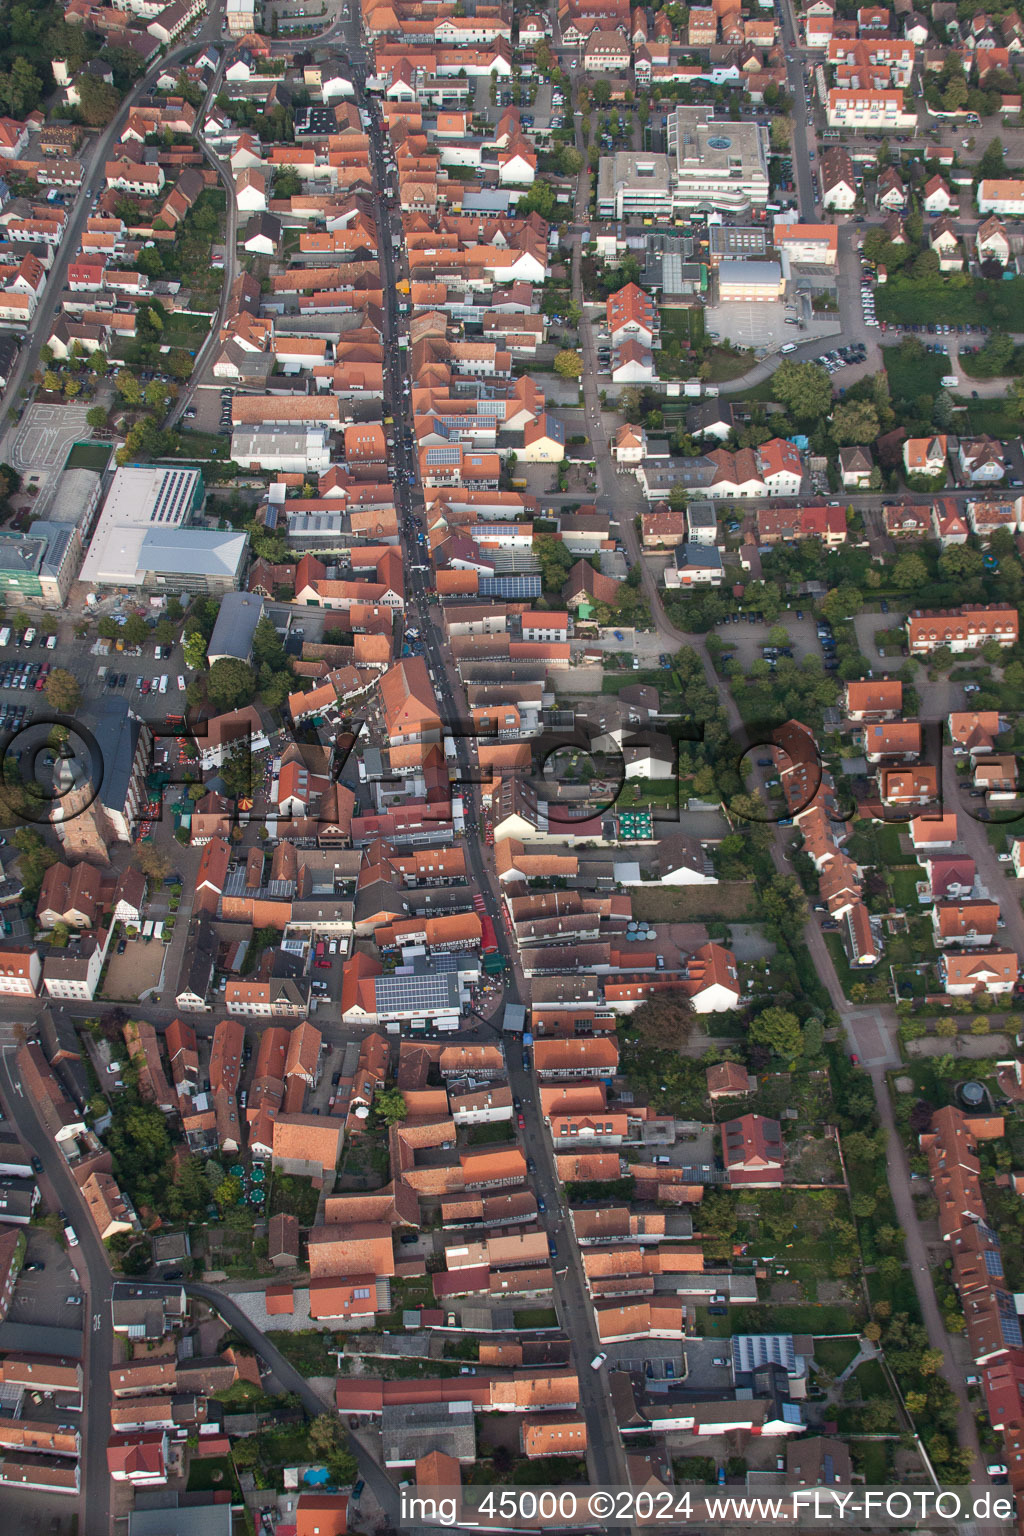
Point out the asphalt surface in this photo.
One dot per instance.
(94, 158)
(92, 1264)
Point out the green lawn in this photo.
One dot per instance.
(909, 301)
(726, 365)
(89, 456)
(868, 1380)
(682, 325)
(297, 1196)
(847, 976)
(535, 1317)
(903, 883)
(212, 1473)
(796, 1319)
(307, 1351)
(910, 375)
(834, 1355)
(994, 417)
(871, 1458)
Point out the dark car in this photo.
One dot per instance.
(37, 1164)
(175, 1274)
(409, 1237)
(541, 1203)
(32, 1269)
(531, 1166)
(357, 1488)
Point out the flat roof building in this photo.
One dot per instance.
(716, 164)
(235, 629)
(143, 536)
(629, 185)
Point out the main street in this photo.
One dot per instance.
(94, 159)
(92, 1264)
(620, 496)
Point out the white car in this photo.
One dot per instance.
(163, 683)
(73, 1301)
(181, 683)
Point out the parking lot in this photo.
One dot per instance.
(763, 326)
(749, 639)
(40, 1296)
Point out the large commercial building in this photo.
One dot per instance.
(144, 537)
(716, 164)
(307, 451)
(41, 564)
(711, 165)
(631, 186)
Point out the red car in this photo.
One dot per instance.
(854, 1059)
(323, 965)
(521, 1121)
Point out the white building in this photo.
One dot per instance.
(1005, 198)
(295, 453)
(717, 164)
(241, 17)
(869, 109)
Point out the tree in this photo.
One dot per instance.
(135, 630)
(62, 691)
(228, 1193)
(841, 603)
(96, 417)
(179, 364)
(267, 649)
(238, 774)
(154, 864)
(157, 395)
(665, 1020)
(910, 571)
(958, 562)
(873, 1332)
(195, 651)
(128, 387)
(856, 421)
(325, 1436)
(805, 389)
(568, 364)
(389, 1106)
(98, 101)
(539, 199)
(780, 1031)
(34, 860)
(230, 683)
(992, 160)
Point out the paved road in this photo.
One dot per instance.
(94, 158)
(290, 1379)
(870, 1032)
(93, 1266)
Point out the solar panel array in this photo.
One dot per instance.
(439, 993)
(172, 499)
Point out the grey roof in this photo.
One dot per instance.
(190, 1520)
(235, 629)
(117, 732)
(705, 557)
(198, 960)
(16, 1198)
(425, 993)
(413, 1430)
(37, 1339)
(750, 1350)
(193, 552)
(58, 536)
